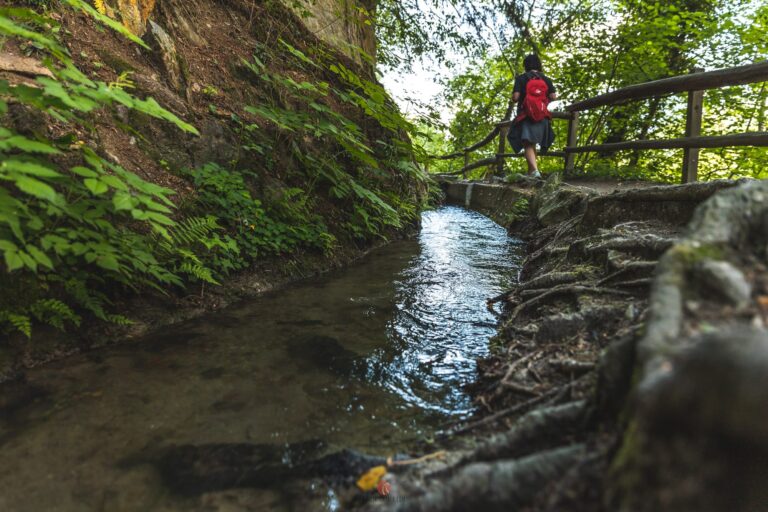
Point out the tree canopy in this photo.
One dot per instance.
(589, 48)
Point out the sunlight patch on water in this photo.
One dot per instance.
(441, 325)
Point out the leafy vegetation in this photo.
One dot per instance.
(71, 221)
(589, 48)
(368, 172)
(252, 231)
(324, 162)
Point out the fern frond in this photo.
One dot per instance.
(88, 299)
(17, 322)
(199, 272)
(54, 312)
(120, 320)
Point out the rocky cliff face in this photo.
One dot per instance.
(297, 123)
(345, 24)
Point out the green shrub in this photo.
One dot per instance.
(73, 225)
(255, 231)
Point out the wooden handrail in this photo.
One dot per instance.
(487, 140)
(557, 114)
(692, 82)
(757, 139)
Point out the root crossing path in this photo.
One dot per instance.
(629, 368)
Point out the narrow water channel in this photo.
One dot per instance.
(373, 358)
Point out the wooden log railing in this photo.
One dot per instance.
(694, 84)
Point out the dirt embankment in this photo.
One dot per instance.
(628, 373)
(196, 68)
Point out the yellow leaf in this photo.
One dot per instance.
(371, 478)
(99, 4)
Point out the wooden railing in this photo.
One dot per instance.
(694, 84)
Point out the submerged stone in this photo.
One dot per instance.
(197, 469)
(325, 352)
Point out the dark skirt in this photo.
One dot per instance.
(540, 133)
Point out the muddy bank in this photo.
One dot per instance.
(627, 373)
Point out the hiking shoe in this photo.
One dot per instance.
(537, 175)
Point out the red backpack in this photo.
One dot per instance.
(536, 99)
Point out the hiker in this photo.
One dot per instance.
(533, 91)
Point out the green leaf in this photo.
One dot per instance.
(27, 167)
(84, 172)
(159, 218)
(109, 262)
(96, 186)
(40, 256)
(13, 261)
(28, 145)
(114, 182)
(28, 260)
(36, 188)
(122, 201)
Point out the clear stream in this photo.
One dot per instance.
(373, 357)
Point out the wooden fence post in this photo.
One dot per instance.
(692, 129)
(573, 139)
(502, 149)
(466, 164)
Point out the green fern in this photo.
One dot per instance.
(16, 322)
(198, 271)
(184, 241)
(120, 320)
(54, 312)
(195, 230)
(87, 298)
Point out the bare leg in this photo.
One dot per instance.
(530, 156)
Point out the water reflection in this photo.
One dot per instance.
(440, 325)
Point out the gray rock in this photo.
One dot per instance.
(164, 46)
(716, 384)
(726, 280)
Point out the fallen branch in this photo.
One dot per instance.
(629, 267)
(571, 365)
(562, 290)
(515, 409)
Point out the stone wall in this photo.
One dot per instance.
(497, 201)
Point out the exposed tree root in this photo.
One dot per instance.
(548, 295)
(551, 279)
(516, 409)
(662, 407)
(642, 267)
(504, 485)
(571, 366)
(532, 432)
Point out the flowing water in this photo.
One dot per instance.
(373, 357)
